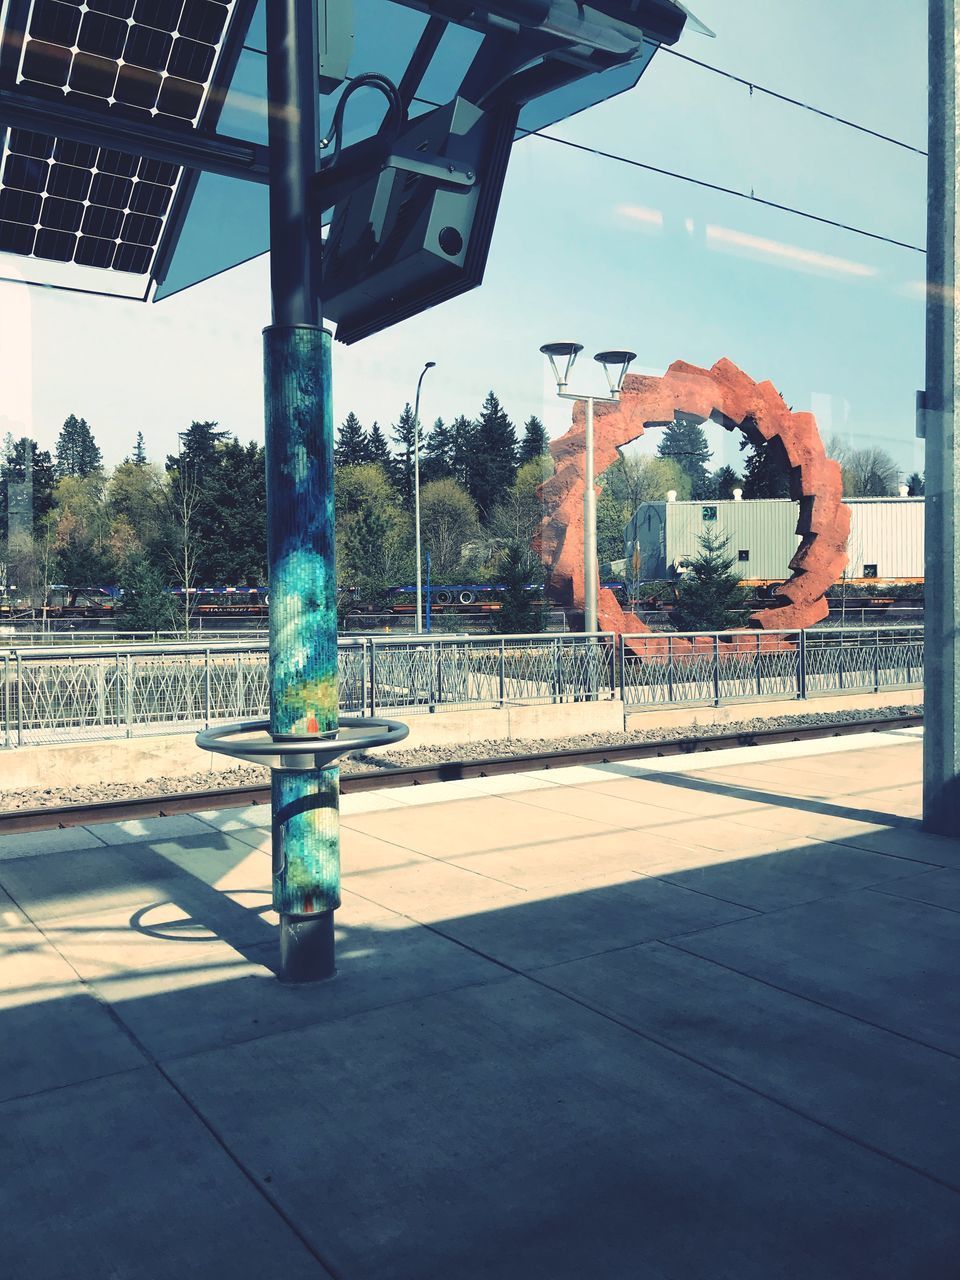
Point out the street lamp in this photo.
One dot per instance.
(615, 365)
(431, 364)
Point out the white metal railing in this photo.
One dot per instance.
(98, 692)
(712, 668)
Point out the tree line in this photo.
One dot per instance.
(198, 518)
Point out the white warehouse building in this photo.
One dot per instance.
(886, 537)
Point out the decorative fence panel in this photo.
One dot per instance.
(53, 695)
(749, 666)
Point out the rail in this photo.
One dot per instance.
(102, 692)
(710, 669)
(72, 815)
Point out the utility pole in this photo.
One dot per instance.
(941, 753)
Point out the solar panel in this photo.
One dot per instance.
(108, 220)
(74, 205)
(213, 241)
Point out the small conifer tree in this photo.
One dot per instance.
(710, 594)
(519, 612)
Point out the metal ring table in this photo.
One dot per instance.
(252, 741)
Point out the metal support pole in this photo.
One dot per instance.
(416, 494)
(876, 661)
(590, 567)
(7, 703)
(206, 688)
(802, 665)
(941, 751)
(300, 520)
(128, 694)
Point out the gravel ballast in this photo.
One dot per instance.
(483, 749)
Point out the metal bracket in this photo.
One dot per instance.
(437, 167)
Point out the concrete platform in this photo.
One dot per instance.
(691, 1019)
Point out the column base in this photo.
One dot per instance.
(307, 948)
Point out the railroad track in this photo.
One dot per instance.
(448, 771)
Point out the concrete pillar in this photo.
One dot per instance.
(941, 761)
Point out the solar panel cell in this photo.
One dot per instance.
(25, 173)
(110, 191)
(19, 206)
(116, 8)
(91, 252)
(69, 182)
(93, 75)
(203, 20)
(46, 63)
(26, 143)
(58, 246)
(148, 48)
(162, 14)
(157, 171)
(132, 257)
(150, 199)
(138, 229)
(101, 222)
(137, 87)
(15, 237)
(76, 153)
(191, 61)
(102, 34)
(118, 162)
(61, 215)
(58, 23)
(180, 98)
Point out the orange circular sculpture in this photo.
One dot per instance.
(726, 395)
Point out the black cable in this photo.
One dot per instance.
(394, 121)
(728, 191)
(794, 102)
(701, 182)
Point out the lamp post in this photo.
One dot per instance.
(615, 365)
(431, 364)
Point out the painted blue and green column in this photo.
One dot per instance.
(300, 511)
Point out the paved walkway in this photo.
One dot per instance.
(685, 1019)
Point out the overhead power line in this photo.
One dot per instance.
(794, 102)
(728, 191)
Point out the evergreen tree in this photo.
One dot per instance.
(76, 450)
(379, 448)
(518, 578)
(353, 448)
(686, 443)
(43, 475)
(403, 434)
(463, 435)
(709, 593)
(437, 454)
(235, 510)
(534, 443)
(765, 472)
(493, 463)
(146, 605)
(916, 485)
(725, 480)
(139, 451)
(198, 449)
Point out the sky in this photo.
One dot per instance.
(590, 250)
